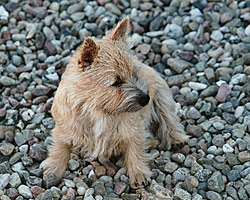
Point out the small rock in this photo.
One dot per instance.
(197, 86)
(233, 175)
(211, 195)
(181, 194)
(4, 180)
(217, 35)
(37, 153)
(177, 65)
(244, 156)
(120, 187)
(6, 148)
(7, 81)
(193, 113)
(25, 191)
(113, 9)
(170, 167)
(111, 169)
(227, 148)
(100, 171)
(73, 164)
(215, 182)
(15, 180)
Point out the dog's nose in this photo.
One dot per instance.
(143, 100)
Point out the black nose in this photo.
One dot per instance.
(143, 100)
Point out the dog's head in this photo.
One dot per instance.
(110, 73)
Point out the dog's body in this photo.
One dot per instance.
(108, 103)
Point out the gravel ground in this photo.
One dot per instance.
(200, 47)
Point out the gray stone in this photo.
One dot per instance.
(16, 60)
(170, 167)
(209, 91)
(21, 138)
(238, 133)
(238, 112)
(244, 156)
(173, 30)
(215, 182)
(217, 35)
(15, 180)
(25, 191)
(75, 8)
(7, 81)
(211, 195)
(177, 65)
(73, 164)
(193, 113)
(181, 194)
(233, 175)
(113, 9)
(4, 180)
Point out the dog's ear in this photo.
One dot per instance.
(88, 52)
(121, 29)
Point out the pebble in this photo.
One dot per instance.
(211, 195)
(197, 86)
(7, 81)
(4, 180)
(227, 148)
(217, 35)
(113, 9)
(6, 148)
(181, 194)
(25, 191)
(170, 167)
(15, 180)
(177, 65)
(193, 113)
(16, 60)
(215, 182)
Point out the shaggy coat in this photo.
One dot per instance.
(109, 103)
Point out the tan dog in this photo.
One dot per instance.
(107, 103)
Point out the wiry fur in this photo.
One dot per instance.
(99, 119)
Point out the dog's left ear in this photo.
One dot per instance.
(88, 53)
(121, 29)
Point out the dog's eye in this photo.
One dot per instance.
(118, 82)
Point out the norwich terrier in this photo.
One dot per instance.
(109, 103)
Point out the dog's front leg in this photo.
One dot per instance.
(137, 160)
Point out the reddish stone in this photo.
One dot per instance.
(186, 55)
(111, 169)
(23, 69)
(100, 171)
(157, 58)
(6, 36)
(223, 92)
(95, 164)
(120, 187)
(137, 28)
(36, 190)
(13, 101)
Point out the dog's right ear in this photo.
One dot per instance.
(89, 51)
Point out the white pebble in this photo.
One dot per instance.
(197, 86)
(227, 148)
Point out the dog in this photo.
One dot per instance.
(109, 103)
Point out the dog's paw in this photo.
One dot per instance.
(178, 145)
(138, 181)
